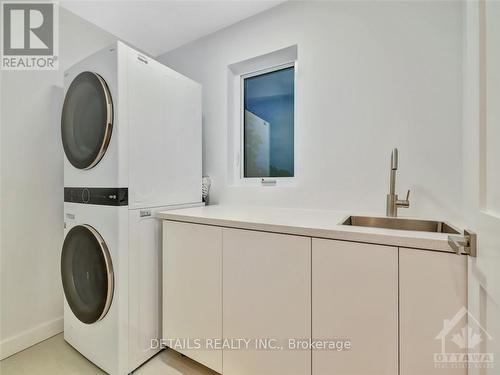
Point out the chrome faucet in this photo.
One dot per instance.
(393, 203)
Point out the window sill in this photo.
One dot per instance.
(269, 182)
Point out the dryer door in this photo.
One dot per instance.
(87, 120)
(87, 274)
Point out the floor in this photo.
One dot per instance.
(55, 357)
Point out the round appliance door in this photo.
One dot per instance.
(87, 274)
(87, 120)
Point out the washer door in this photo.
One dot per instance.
(87, 120)
(87, 274)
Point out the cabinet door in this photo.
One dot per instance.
(355, 297)
(433, 296)
(144, 286)
(192, 288)
(267, 295)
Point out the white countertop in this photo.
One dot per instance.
(305, 222)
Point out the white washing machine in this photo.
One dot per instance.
(132, 125)
(110, 269)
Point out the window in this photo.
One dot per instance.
(268, 123)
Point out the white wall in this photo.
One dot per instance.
(371, 76)
(32, 192)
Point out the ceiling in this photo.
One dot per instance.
(159, 26)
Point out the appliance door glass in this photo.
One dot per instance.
(87, 274)
(87, 120)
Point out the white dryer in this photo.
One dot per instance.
(110, 269)
(131, 123)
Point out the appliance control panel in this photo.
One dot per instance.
(99, 196)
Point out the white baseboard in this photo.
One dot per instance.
(30, 337)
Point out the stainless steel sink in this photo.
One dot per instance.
(400, 223)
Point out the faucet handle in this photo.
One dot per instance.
(408, 196)
(404, 203)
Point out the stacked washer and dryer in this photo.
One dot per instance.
(131, 132)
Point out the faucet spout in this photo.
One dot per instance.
(394, 168)
(394, 159)
(393, 203)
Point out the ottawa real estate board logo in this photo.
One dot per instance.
(29, 36)
(464, 343)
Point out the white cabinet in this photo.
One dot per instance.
(392, 305)
(433, 295)
(144, 286)
(355, 297)
(267, 294)
(192, 287)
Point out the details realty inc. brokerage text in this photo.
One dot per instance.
(252, 344)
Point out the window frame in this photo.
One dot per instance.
(266, 181)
